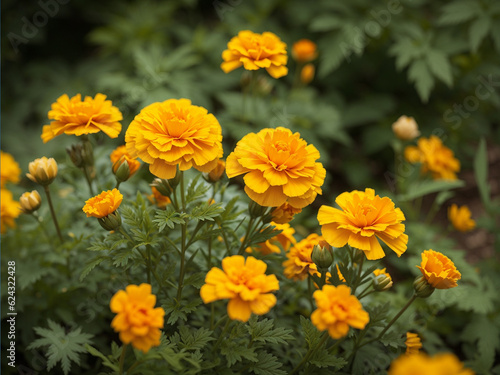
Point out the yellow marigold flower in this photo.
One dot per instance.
(406, 128)
(364, 218)
(74, 116)
(175, 133)
(284, 213)
(103, 204)
(255, 51)
(120, 156)
(337, 311)
(158, 198)
(300, 264)
(9, 169)
(244, 283)
(285, 239)
(460, 218)
(137, 319)
(439, 271)
(304, 50)
(10, 210)
(42, 171)
(307, 73)
(279, 167)
(435, 158)
(421, 363)
(30, 202)
(382, 271)
(413, 343)
(216, 174)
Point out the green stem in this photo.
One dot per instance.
(53, 213)
(183, 242)
(310, 291)
(222, 334)
(364, 290)
(309, 353)
(358, 278)
(117, 184)
(122, 358)
(89, 180)
(245, 239)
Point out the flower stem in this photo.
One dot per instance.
(53, 213)
(362, 294)
(89, 181)
(358, 278)
(183, 242)
(122, 358)
(310, 292)
(309, 353)
(222, 334)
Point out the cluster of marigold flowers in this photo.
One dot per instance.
(279, 170)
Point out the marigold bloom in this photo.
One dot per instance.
(10, 210)
(42, 171)
(439, 271)
(279, 167)
(103, 204)
(285, 239)
(255, 51)
(300, 264)
(413, 343)
(405, 128)
(175, 133)
(74, 116)
(364, 218)
(460, 218)
(119, 156)
(244, 283)
(30, 202)
(421, 363)
(382, 271)
(9, 169)
(337, 311)
(435, 158)
(137, 320)
(304, 50)
(284, 213)
(158, 198)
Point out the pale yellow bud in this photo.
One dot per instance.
(406, 128)
(42, 171)
(30, 202)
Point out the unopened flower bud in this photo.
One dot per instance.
(358, 256)
(422, 288)
(30, 202)
(175, 181)
(88, 153)
(322, 255)
(113, 221)
(42, 171)
(256, 210)
(121, 170)
(405, 128)
(75, 154)
(382, 282)
(162, 186)
(216, 174)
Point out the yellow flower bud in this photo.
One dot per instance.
(422, 288)
(75, 154)
(42, 171)
(216, 174)
(322, 255)
(405, 128)
(113, 221)
(30, 202)
(121, 170)
(162, 186)
(382, 282)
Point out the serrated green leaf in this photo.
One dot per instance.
(105, 360)
(235, 352)
(481, 172)
(478, 31)
(264, 331)
(420, 74)
(267, 364)
(458, 12)
(206, 211)
(487, 335)
(322, 359)
(194, 340)
(311, 333)
(91, 265)
(440, 66)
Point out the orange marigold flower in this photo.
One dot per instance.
(284, 213)
(405, 128)
(337, 311)
(460, 218)
(285, 239)
(120, 156)
(9, 169)
(435, 158)
(137, 319)
(300, 264)
(421, 363)
(304, 50)
(244, 283)
(175, 133)
(364, 218)
(439, 271)
(74, 116)
(255, 51)
(413, 343)
(279, 167)
(158, 198)
(103, 204)
(9, 210)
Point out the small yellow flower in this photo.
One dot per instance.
(304, 50)
(279, 167)
(435, 158)
(216, 174)
(284, 213)
(285, 239)
(74, 116)
(137, 320)
(307, 73)
(172, 134)
(299, 264)
(460, 218)
(382, 271)
(120, 156)
(364, 218)
(413, 343)
(255, 51)
(439, 271)
(406, 128)
(30, 202)
(421, 363)
(42, 171)
(158, 198)
(9, 169)
(244, 283)
(103, 204)
(10, 210)
(337, 310)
